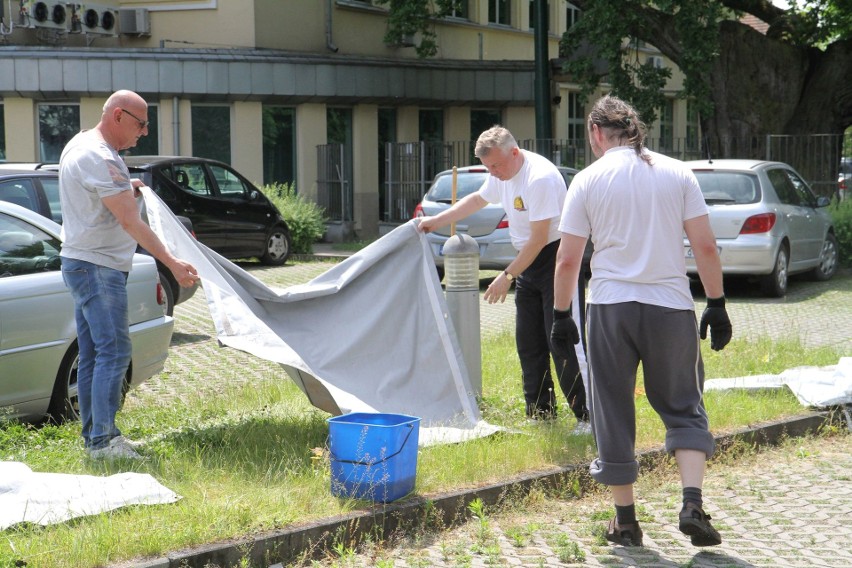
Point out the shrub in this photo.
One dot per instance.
(305, 218)
(841, 214)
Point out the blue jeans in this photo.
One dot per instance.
(103, 336)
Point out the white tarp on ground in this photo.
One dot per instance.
(46, 498)
(813, 386)
(372, 334)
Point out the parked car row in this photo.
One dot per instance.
(767, 221)
(37, 189)
(38, 338)
(38, 345)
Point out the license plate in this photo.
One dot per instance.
(690, 254)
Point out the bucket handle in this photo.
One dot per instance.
(382, 460)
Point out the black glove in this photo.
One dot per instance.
(564, 334)
(716, 317)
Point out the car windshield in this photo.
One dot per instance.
(728, 187)
(467, 183)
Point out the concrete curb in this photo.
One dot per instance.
(441, 510)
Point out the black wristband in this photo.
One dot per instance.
(716, 302)
(561, 314)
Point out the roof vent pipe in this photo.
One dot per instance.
(328, 42)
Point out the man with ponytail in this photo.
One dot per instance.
(636, 205)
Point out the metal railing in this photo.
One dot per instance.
(410, 167)
(334, 190)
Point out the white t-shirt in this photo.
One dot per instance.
(535, 193)
(90, 169)
(634, 213)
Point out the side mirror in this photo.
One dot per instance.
(823, 201)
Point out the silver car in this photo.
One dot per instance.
(38, 339)
(767, 222)
(489, 226)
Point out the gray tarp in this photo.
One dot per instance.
(47, 498)
(813, 386)
(372, 334)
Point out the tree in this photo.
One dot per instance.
(794, 79)
(409, 17)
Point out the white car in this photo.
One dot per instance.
(38, 339)
(767, 222)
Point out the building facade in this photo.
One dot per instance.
(292, 91)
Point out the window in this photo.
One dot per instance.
(279, 144)
(483, 119)
(431, 122)
(25, 249)
(667, 126)
(692, 127)
(784, 189)
(500, 12)
(460, 9)
(576, 119)
(2, 132)
(387, 134)
(149, 145)
(191, 178)
(480, 121)
(546, 14)
(230, 185)
(50, 185)
(211, 132)
(572, 16)
(339, 131)
(57, 125)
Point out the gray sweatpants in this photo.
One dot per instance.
(665, 340)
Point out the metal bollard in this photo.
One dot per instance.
(461, 275)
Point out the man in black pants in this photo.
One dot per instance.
(532, 192)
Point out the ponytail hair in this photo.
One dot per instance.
(621, 122)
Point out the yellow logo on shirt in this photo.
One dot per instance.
(519, 204)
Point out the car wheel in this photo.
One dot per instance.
(277, 246)
(828, 259)
(64, 402)
(774, 285)
(169, 293)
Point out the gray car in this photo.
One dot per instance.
(36, 187)
(38, 340)
(489, 226)
(767, 222)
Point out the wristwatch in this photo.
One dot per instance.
(509, 276)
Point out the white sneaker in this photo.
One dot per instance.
(133, 444)
(582, 428)
(118, 448)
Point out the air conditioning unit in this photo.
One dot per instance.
(40, 14)
(95, 19)
(134, 21)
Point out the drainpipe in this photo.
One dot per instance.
(328, 42)
(176, 125)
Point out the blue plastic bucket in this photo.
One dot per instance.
(373, 456)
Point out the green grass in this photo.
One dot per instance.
(251, 459)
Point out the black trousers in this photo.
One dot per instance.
(533, 321)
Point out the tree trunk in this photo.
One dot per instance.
(756, 84)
